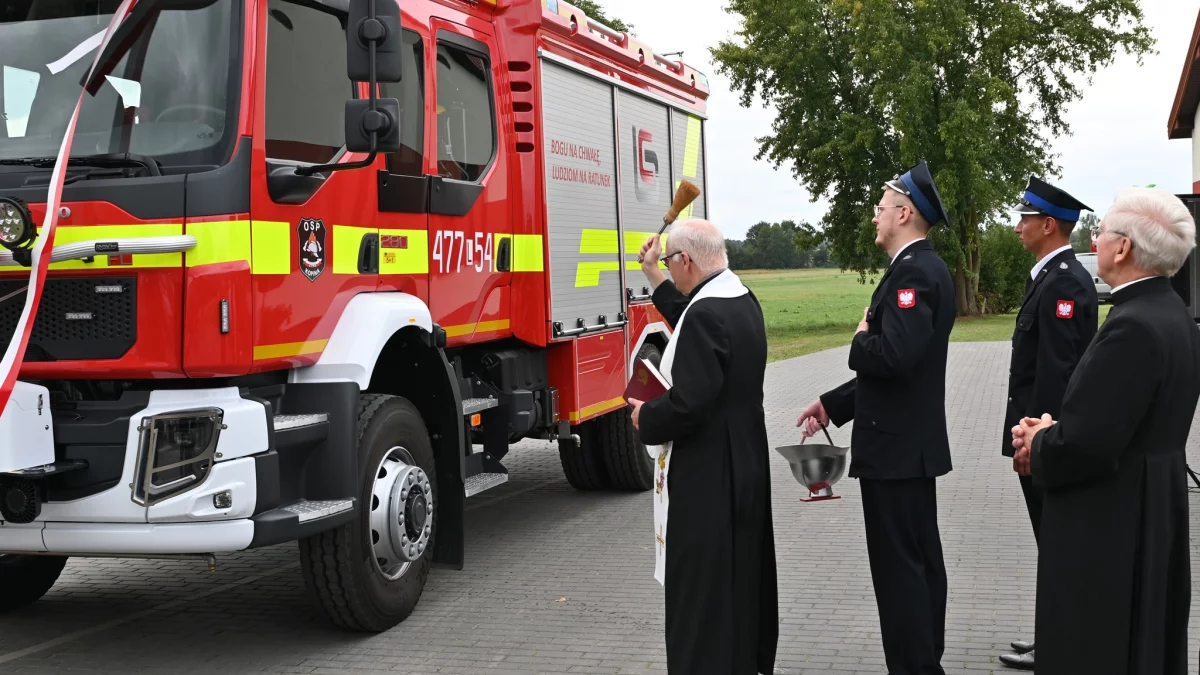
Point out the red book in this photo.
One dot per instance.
(647, 383)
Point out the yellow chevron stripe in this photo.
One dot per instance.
(289, 350)
(597, 408)
(472, 328)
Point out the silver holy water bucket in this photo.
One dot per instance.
(816, 466)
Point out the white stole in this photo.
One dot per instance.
(724, 285)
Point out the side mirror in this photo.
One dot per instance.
(373, 49)
(381, 122)
(373, 29)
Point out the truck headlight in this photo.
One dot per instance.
(175, 453)
(16, 224)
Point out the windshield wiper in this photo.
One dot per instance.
(115, 160)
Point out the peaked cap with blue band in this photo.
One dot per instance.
(1042, 198)
(917, 184)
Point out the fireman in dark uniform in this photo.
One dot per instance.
(1057, 321)
(897, 400)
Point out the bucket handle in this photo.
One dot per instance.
(822, 429)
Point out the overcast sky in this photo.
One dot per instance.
(1119, 127)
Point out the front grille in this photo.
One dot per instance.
(77, 318)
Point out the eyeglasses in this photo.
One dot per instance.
(879, 209)
(668, 256)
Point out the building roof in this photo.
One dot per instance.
(1187, 97)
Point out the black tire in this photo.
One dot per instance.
(339, 565)
(24, 579)
(582, 464)
(628, 465)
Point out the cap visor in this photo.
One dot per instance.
(897, 186)
(1026, 210)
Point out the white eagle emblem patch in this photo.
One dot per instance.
(906, 297)
(1066, 309)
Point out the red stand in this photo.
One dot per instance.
(814, 489)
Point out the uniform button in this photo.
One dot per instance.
(1010, 399)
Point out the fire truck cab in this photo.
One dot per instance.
(317, 264)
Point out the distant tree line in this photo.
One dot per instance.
(1001, 287)
(778, 246)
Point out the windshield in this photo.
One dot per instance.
(171, 97)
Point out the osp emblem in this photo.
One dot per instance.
(310, 234)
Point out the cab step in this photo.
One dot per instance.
(484, 481)
(286, 422)
(306, 510)
(478, 405)
(484, 472)
(300, 519)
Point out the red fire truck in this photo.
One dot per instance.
(317, 264)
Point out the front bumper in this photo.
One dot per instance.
(103, 509)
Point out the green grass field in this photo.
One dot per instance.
(810, 310)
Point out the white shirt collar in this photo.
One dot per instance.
(1037, 268)
(1130, 283)
(906, 246)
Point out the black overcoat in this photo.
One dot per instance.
(898, 397)
(1056, 322)
(1114, 570)
(722, 611)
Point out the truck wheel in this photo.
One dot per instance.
(368, 574)
(24, 579)
(625, 457)
(582, 464)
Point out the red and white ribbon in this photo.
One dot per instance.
(44, 246)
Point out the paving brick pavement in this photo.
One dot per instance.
(534, 541)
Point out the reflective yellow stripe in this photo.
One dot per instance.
(527, 253)
(70, 235)
(598, 241)
(271, 247)
(411, 260)
(481, 327)
(691, 157)
(604, 242)
(288, 350)
(218, 242)
(347, 242)
(597, 408)
(587, 274)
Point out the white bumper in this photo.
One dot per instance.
(26, 436)
(111, 521)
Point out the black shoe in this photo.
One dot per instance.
(1021, 646)
(1020, 661)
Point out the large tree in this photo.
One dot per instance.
(867, 88)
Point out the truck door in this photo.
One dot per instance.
(403, 187)
(313, 240)
(468, 196)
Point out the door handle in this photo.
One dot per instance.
(504, 255)
(368, 254)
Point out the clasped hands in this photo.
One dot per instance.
(1023, 434)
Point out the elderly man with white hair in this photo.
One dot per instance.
(1114, 577)
(714, 539)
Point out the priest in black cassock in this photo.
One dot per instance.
(714, 538)
(1114, 567)
(900, 444)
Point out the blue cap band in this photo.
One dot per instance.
(923, 204)
(1050, 209)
